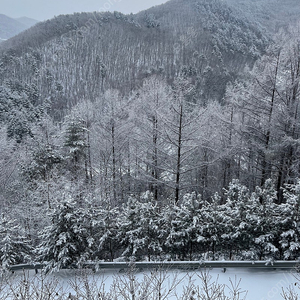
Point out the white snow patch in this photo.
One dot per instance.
(261, 284)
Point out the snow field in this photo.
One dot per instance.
(266, 284)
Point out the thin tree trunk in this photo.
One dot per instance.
(155, 159)
(265, 163)
(178, 167)
(114, 164)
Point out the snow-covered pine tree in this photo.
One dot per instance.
(129, 229)
(75, 143)
(19, 108)
(266, 230)
(186, 227)
(137, 230)
(238, 222)
(151, 229)
(290, 222)
(103, 239)
(14, 247)
(212, 229)
(64, 242)
(164, 221)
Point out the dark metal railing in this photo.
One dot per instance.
(176, 265)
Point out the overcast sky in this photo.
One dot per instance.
(46, 9)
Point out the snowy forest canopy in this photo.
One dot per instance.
(192, 156)
(247, 226)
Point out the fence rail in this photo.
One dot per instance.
(177, 265)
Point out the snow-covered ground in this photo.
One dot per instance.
(261, 284)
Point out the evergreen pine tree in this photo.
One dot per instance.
(137, 230)
(238, 221)
(104, 233)
(64, 242)
(266, 228)
(14, 247)
(186, 227)
(290, 222)
(212, 226)
(75, 143)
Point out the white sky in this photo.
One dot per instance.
(46, 9)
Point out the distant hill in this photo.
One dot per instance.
(10, 27)
(79, 56)
(271, 14)
(28, 22)
(205, 39)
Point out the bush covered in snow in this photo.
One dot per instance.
(244, 226)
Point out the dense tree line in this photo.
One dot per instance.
(176, 144)
(208, 38)
(81, 156)
(247, 226)
(266, 105)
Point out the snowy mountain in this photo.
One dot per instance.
(207, 38)
(271, 14)
(10, 27)
(28, 22)
(216, 38)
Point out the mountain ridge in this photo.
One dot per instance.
(271, 14)
(10, 27)
(29, 22)
(210, 41)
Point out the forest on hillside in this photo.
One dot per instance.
(170, 134)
